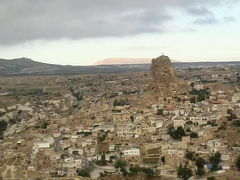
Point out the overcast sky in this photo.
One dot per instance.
(81, 32)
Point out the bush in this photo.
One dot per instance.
(211, 178)
(83, 173)
(193, 135)
(184, 172)
(200, 171)
(238, 163)
(3, 127)
(215, 160)
(200, 162)
(190, 155)
(193, 100)
(45, 125)
(124, 171)
(135, 169)
(147, 171)
(231, 114)
(176, 133)
(121, 102)
(202, 94)
(160, 112)
(120, 163)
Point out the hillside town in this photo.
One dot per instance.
(163, 123)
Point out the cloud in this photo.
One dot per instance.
(206, 20)
(28, 20)
(229, 19)
(202, 11)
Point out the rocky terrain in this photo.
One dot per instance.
(165, 81)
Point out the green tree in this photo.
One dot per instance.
(202, 94)
(45, 125)
(184, 172)
(200, 171)
(135, 169)
(147, 171)
(193, 100)
(120, 163)
(238, 163)
(83, 172)
(124, 171)
(160, 112)
(176, 133)
(193, 135)
(3, 127)
(215, 160)
(190, 155)
(200, 162)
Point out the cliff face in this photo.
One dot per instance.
(165, 81)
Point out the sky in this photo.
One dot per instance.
(81, 32)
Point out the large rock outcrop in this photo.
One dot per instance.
(165, 81)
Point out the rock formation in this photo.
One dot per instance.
(165, 81)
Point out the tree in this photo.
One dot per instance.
(200, 171)
(3, 127)
(238, 162)
(231, 114)
(163, 159)
(200, 162)
(184, 172)
(176, 133)
(193, 135)
(215, 160)
(179, 99)
(135, 169)
(193, 100)
(160, 112)
(132, 118)
(200, 166)
(202, 94)
(211, 178)
(83, 172)
(147, 171)
(120, 163)
(45, 125)
(189, 155)
(121, 102)
(124, 171)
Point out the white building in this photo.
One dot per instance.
(132, 152)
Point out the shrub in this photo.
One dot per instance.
(184, 172)
(190, 155)
(193, 135)
(83, 173)
(215, 160)
(120, 163)
(238, 163)
(176, 133)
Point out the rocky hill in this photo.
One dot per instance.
(165, 81)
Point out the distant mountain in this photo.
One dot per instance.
(113, 61)
(25, 66)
